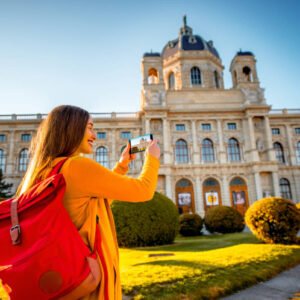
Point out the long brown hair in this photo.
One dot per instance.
(59, 135)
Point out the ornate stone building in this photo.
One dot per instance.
(219, 146)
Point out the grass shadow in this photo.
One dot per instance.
(204, 243)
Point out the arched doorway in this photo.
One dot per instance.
(185, 196)
(211, 193)
(239, 194)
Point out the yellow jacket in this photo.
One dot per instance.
(88, 184)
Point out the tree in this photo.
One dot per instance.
(5, 188)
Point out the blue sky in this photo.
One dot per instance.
(88, 53)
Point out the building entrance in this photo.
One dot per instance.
(211, 193)
(185, 196)
(239, 194)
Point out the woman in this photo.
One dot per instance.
(68, 132)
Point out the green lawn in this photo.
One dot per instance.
(205, 267)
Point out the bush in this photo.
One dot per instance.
(298, 205)
(150, 223)
(274, 220)
(190, 224)
(223, 219)
(4, 291)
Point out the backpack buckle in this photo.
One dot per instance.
(15, 234)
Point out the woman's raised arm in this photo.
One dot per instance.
(87, 177)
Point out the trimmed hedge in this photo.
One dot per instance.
(150, 223)
(190, 224)
(274, 220)
(223, 219)
(4, 291)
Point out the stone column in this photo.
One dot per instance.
(11, 160)
(169, 188)
(113, 158)
(269, 146)
(292, 157)
(166, 146)
(296, 197)
(225, 188)
(276, 187)
(196, 156)
(257, 182)
(222, 152)
(197, 197)
(147, 125)
(201, 208)
(253, 150)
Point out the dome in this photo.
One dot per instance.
(188, 42)
(151, 54)
(244, 53)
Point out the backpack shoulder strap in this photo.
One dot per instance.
(15, 230)
(57, 167)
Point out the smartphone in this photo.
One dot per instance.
(140, 143)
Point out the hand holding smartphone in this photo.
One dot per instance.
(140, 143)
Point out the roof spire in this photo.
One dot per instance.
(184, 21)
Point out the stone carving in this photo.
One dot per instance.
(155, 97)
(260, 145)
(156, 125)
(254, 96)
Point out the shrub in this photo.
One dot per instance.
(150, 223)
(274, 220)
(190, 224)
(298, 205)
(223, 219)
(4, 291)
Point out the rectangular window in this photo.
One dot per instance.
(101, 135)
(231, 126)
(206, 127)
(2, 138)
(180, 127)
(275, 131)
(297, 130)
(26, 137)
(125, 135)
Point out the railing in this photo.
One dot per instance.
(285, 111)
(114, 115)
(15, 117)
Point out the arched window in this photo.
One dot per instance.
(23, 160)
(208, 154)
(216, 77)
(285, 188)
(2, 160)
(298, 152)
(152, 76)
(181, 151)
(102, 156)
(237, 181)
(195, 76)
(247, 73)
(279, 152)
(171, 81)
(211, 192)
(183, 183)
(234, 150)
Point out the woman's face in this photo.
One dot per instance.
(86, 145)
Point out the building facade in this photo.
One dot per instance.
(219, 146)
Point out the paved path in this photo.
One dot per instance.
(281, 287)
(284, 286)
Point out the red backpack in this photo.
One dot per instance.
(42, 255)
